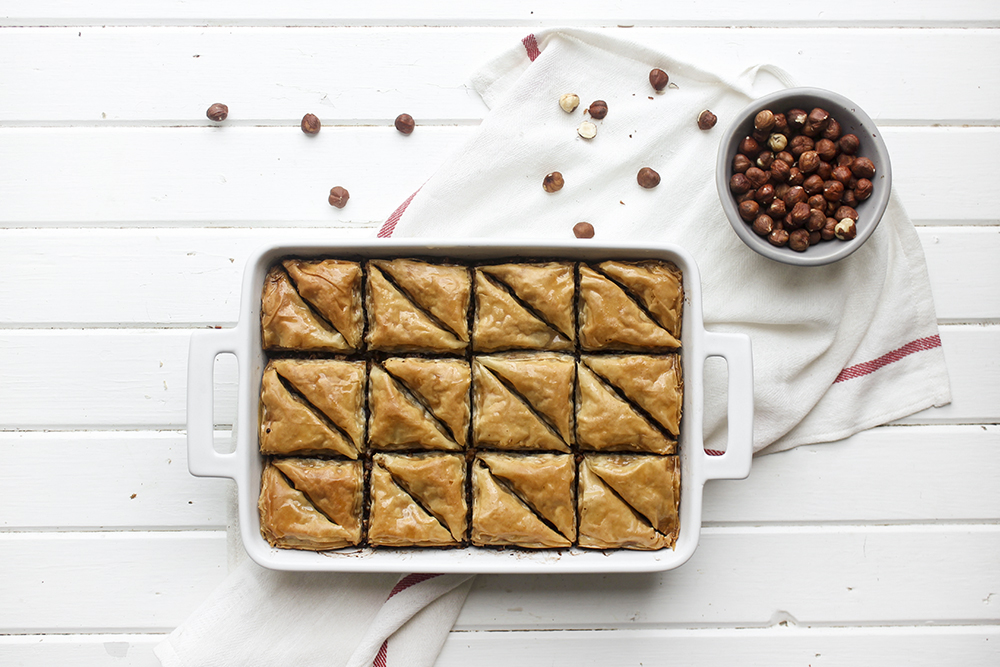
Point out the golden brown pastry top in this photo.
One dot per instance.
(288, 323)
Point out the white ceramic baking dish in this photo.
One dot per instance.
(244, 465)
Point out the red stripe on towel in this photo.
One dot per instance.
(390, 224)
(869, 367)
(401, 585)
(531, 46)
(379, 660)
(714, 452)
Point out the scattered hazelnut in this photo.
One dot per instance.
(583, 230)
(404, 123)
(764, 121)
(217, 112)
(749, 210)
(707, 120)
(598, 109)
(863, 189)
(310, 124)
(777, 142)
(799, 240)
(569, 102)
(846, 229)
(338, 197)
(587, 130)
(553, 182)
(779, 237)
(658, 79)
(763, 225)
(648, 178)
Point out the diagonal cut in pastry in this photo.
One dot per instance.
(288, 425)
(523, 401)
(648, 484)
(606, 422)
(611, 319)
(397, 420)
(441, 386)
(543, 482)
(396, 519)
(288, 323)
(503, 322)
(547, 289)
(417, 307)
(607, 521)
(500, 518)
(321, 511)
(657, 285)
(333, 288)
(336, 388)
(653, 383)
(436, 482)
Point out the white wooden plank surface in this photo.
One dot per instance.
(175, 263)
(274, 75)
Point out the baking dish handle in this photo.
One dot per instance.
(736, 350)
(205, 346)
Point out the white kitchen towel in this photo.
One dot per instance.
(837, 349)
(264, 618)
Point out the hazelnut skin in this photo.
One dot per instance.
(764, 121)
(779, 238)
(217, 112)
(707, 120)
(796, 119)
(780, 171)
(826, 149)
(553, 182)
(863, 189)
(404, 123)
(800, 213)
(658, 79)
(746, 196)
(842, 174)
(828, 233)
(785, 156)
(794, 196)
(598, 109)
(757, 176)
(849, 198)
(816, 201)
(765, 194)
(765, 160)
(799, 240)
(849, 144)
(749, 210)
(816, 122)
(739, 184)
(741, 163)
(583, 230)
(778, 209)
(648, 178)
(832, 131)
(814, 238)
(799, 145)
(795, 176)
(862, 167)
(809, 162)
(846, 229)
(817, 219)
(338, 197)
(763, 225)
(780, 123)
(310, 124)
(813, 185)
(749, 147)
(846, 212)
(833, 191)
(825, 170)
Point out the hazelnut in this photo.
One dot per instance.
(816, 220)
(310, 124)
(815, 237)
(765, 159)
(569, 102)
(843, 212)
(816, 201)
(777, 142)
(862, 167)
(757, 176)
(749, 147)
(832, 131)
(779, 237)
(799, 145)
(763, 225)
(741, 163)
(760, 137)
(785, 156)
(598, 109)
(781, 189)
(739, 184)
(863, 189)
(648, 178)
(780, 123)
(749, 210)
(794, 196)
(843, 160)
(799, 240)
(780, 171)
(217, 112)
(842, 174)
(796, 119)
(849, 144)
(583, 230)
(778, 209)
(658, 79)
(825, 170)
(765, 194)
(553, 182)
(795, 176)
(809, 162)
(813, 185)
(833, 191)
(707, 120)
(404, 123)
(587, 130)
(764, 121)
(846, 229)
(849, 198)
(746, 196)
(800, 213)
(827, 233)
(826, 149)
(338, 197)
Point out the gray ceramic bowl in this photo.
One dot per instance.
(852, 121)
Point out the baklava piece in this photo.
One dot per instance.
(333, 288)
(312, 407)
(630, 307)
(416, 306)
(628, 501)
(311, 504)
(417, 500)
(653, 384)
(289, 323)
(523, 500)
(523, 401)
(607, 422)
(524, 306)
(418, 404)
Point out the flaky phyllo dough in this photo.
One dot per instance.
(524, 306)
(324, 313)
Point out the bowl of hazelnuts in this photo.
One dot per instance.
(803, 176)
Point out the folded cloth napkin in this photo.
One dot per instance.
(837, 349)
